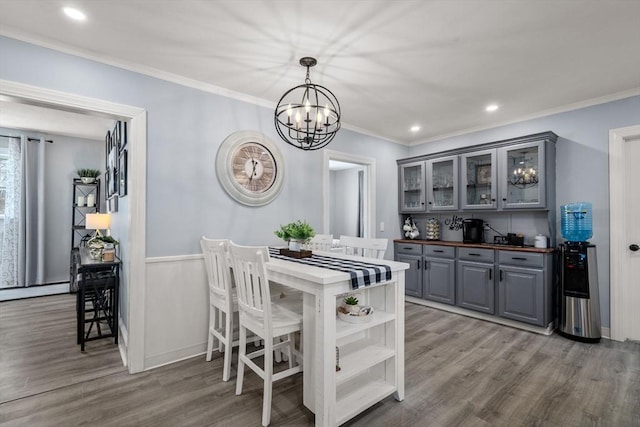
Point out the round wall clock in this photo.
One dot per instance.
(250, 168)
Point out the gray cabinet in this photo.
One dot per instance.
(442, 184)
(523, 175)
(478, 179)
(412, 276)
(516, 285)
(524, 287)
(475, 280)
(439, 275)
(412, 187)
(411, 253)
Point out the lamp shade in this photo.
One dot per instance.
(98, 221)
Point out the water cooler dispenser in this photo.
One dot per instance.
(579, 305)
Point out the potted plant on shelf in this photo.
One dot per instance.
(88, 176)
(351, 304)
(296, 234)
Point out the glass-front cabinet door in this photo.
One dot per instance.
(478, 179)
(442, 179)
(522, 177)
(412, 182)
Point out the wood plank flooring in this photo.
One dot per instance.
(459, 372)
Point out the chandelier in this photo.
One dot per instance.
(524, 176)
(308, 116)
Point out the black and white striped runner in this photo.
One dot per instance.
(362, 273)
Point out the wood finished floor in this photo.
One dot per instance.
(459, 372)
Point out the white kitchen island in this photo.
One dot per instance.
(371, 354)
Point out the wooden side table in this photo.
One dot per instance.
(97, 298)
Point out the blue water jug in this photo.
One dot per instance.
(576, 222)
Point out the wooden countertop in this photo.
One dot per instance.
(477, 245)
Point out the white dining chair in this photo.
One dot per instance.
(265, 318)
(360, 246)
(223, 304)
(320, 242)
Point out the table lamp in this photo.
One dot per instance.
(97, 221)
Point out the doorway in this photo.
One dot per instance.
(133, 287)
(624, 203)
(352, 211)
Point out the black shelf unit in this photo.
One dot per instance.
(79, 235)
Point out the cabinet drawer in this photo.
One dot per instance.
(409, 248)
(527, 259)
(439, 251)
(474, 254)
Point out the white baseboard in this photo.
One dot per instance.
(123, 341)
(33, 291)
(159, 360)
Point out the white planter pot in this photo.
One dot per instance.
(295, 245)
(352, 308)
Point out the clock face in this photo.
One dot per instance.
(250, 168)
(254, 167)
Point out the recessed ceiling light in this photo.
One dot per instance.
(415, 128)
(74, 14)
(491, 108)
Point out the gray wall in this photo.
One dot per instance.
(582, 164)
(62, 159)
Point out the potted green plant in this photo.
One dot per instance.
(88, 176)
(351, 304)
(296, 233)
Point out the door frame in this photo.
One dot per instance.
(369, 164)
(620, 313)
(132, 350)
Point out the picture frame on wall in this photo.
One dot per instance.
(123, 136)
(483, 174)
(116, 135)
(122, 174)
(112, 203)
(107, 148)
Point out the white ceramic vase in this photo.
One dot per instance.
(295, 245)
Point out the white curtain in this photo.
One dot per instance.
(23, 239)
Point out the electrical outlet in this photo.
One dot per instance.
(382, 226)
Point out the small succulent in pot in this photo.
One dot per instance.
(351, 304)
(351, 300)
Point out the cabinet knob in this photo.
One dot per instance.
(634, 247)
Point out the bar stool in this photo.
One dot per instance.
(264, 317)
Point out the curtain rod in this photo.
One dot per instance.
(29, 139)
(38, 140)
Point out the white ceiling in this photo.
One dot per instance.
(392, 64)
